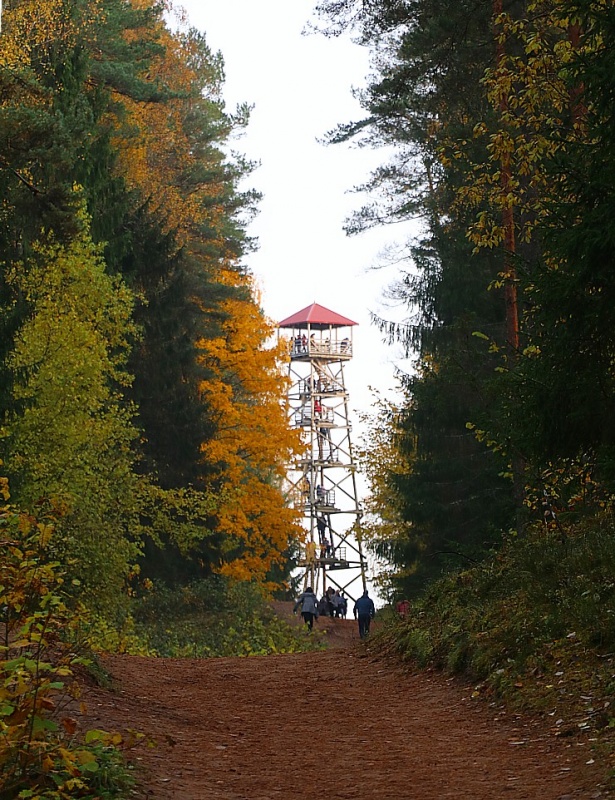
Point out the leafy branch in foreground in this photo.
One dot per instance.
(42, 754)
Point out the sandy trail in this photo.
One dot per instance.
(338, 724)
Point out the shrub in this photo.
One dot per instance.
(507, 614)
(40, 754)
(215, 617)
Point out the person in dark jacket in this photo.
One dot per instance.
(364, 612)
(309, 607)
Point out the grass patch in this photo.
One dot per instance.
(214, 618)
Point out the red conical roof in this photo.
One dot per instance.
(317, 316)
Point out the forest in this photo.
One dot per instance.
(140, 392)
(142, 438)
(501, 122)
(143, 435)
(493, 479)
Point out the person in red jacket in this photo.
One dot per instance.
(402, 608)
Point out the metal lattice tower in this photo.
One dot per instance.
(323, 480)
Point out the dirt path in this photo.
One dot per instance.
(336, 724)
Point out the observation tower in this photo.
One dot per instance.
(323, 479)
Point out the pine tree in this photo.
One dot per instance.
(426, 92)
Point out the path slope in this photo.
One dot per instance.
(333, 724)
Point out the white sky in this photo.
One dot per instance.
(300, 87)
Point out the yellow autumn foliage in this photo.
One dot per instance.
(254, 442)
(34, 27)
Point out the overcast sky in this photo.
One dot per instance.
(300, 87)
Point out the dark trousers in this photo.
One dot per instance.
(364, 621)
(308, 618)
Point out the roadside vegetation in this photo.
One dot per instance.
(44, 753)
(216, 617)
(532, 627)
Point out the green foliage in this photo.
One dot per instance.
(565, 386)
(506, 617)
(40, 753)
(215, 617)
(72, 437)
(453, 497)
(172, 414)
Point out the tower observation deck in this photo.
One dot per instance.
(323, 479)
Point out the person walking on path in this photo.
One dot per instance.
(309, 607)
(364, 612)
(338, 604)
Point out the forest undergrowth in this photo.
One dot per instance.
(533, 628)
(215, 617)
